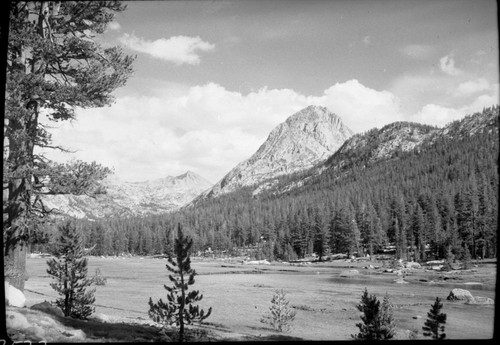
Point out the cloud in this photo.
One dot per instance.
(360, 107)
(176, 49)
(115, 26)
(439, 115)
(471, 87)
(417, 51)
(418, 89)
(209, 129)
(447, 64)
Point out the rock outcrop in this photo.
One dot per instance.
(306, 138)
(460, 295)
(14, 297)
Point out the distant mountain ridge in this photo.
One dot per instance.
(132, 198)
(302, 141)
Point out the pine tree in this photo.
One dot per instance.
(179, 308)
(387, 323)
(434, 325)
(378, 321)
(320, 236)
(280, 315)
(370, 307)
(69, 268)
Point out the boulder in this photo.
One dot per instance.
(75, 335)
(14, 297)
(481, 300)
(36, 332)
(48, 308)
(349, 273)
(460, 295)
(437, 267)
(100, 317)
(257, 262)
(412, 264)
(15, 320)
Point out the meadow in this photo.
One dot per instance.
(324, 295)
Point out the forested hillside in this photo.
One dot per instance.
(437, 200)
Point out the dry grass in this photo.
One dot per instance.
(325, 302)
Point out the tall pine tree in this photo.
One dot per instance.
(54, 64)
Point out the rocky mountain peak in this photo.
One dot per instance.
(306, 138)
(313, 113)
(188, 174)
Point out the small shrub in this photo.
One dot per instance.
(387, 323)
(466, 259)
(413, 334)
(98, 279)
(280, 314)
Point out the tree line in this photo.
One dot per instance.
(437, 201)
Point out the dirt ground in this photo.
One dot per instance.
(324, 295)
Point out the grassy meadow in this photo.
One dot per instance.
(324, 295)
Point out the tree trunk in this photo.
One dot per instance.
(15, 265)
(17, 194)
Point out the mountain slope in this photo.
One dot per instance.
(303, 140)
(388, 143)
(132, 198)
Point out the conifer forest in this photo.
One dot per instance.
(438, 201)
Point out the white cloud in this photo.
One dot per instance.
(176, 49)
(439, 115)
(447, 64)
(360, 107)
(417, 51)
(209, 129)
(114, 26)
(472, 86)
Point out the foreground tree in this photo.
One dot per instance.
(179, 308)
(280, 315)
(434, 325)
(387, 323)
(69, 269)
(378, 322)
(54, 65)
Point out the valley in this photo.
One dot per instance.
(335, 151)
(416, 192)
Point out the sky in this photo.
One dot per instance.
(213, 78)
